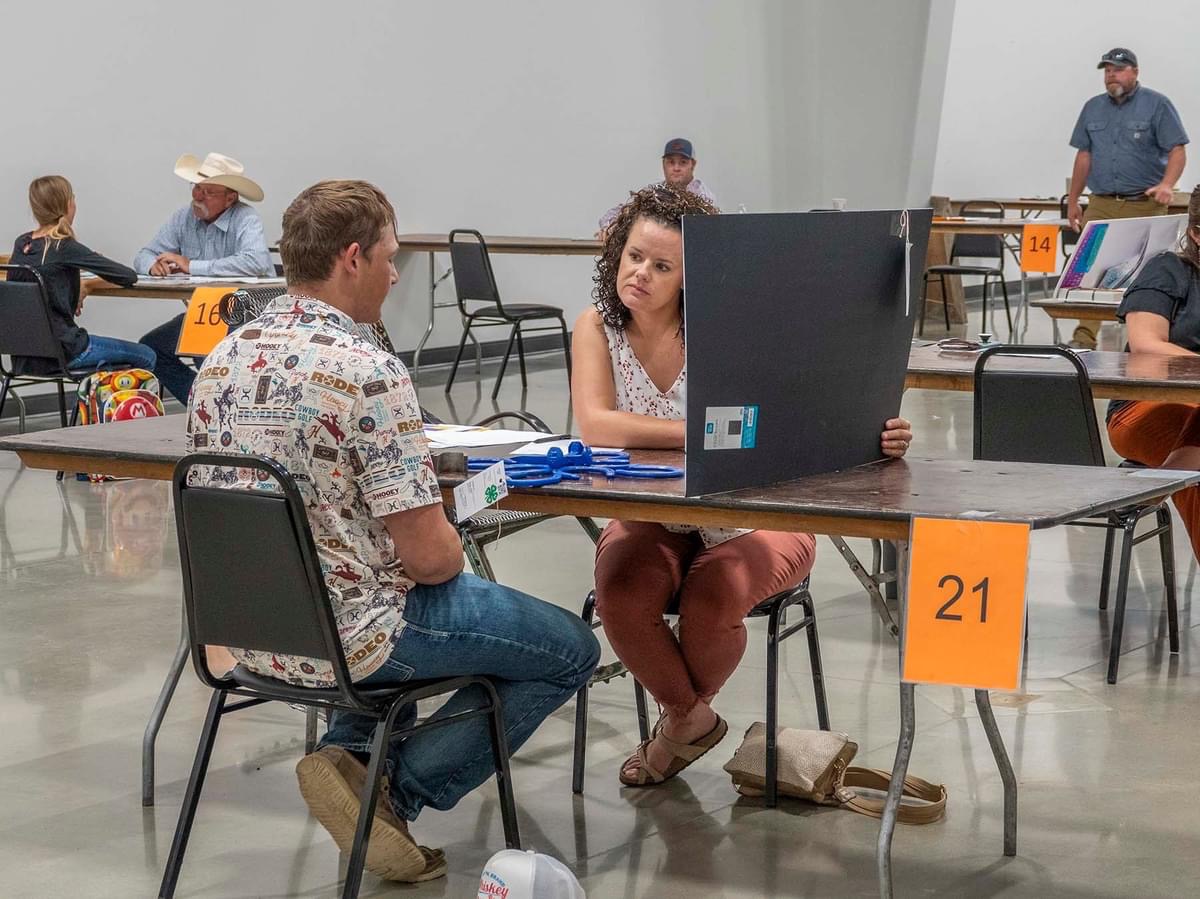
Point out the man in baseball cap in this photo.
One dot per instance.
(679, 171)
(216, 234)
(1129, 144)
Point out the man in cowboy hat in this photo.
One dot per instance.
(679, 171)
(215, 235)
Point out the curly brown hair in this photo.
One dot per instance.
(660, 203)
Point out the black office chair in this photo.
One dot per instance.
(972, 246)
(474, 283)
(774, 609)
(290, 613)
(1049, 416)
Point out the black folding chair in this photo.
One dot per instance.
(972, 246)
(480, 305)
(1049, 416)
(774, 609)
(231, 599)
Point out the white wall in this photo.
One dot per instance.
(1020, 71)
(521, 117)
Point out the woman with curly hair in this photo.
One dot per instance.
(628, 390)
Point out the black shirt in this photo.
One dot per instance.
(59, 263)
(1168, 286)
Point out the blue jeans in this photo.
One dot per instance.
(540, 655)
(111, 352)
(173, 373)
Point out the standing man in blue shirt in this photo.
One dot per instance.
(1130, 144)
(215, 235)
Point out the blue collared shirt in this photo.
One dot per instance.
(1129, 141)
(233, 244)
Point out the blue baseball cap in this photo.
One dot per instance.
(678, 146)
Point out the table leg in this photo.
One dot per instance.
(160, 712)
(908, 727)
(1054, 324)
(871, 582)
(416, 366)
(984, 703)
(434, 281)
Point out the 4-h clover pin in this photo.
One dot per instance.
(491, 493)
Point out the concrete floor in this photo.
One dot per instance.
(89, 612)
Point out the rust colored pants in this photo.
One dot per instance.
(639, 568)
(1149, 432)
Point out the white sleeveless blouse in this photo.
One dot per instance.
(636, 392)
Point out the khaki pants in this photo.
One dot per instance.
(1099, 208)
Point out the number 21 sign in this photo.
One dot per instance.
(965, 623)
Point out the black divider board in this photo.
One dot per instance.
(802, 315)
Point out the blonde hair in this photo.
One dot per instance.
(49, 198)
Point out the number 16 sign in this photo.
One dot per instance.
(965, 623)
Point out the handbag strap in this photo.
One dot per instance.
(932, 795)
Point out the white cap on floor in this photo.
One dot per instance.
(513, 874)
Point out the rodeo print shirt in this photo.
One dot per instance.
(295, 385)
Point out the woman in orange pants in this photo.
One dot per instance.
(1161, 310)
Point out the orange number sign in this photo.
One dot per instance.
(202, 325)
(966, 603)
(1039, 248)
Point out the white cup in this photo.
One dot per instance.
(838, 203)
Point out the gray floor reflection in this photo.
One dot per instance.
(89, 612)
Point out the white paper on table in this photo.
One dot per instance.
(183, 279)
(542, 448)
(441, 436)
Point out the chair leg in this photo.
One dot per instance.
(462, 343)
(1106, 571)
(566, 339)
(772, 769)
(639, 697)
(1007, 309)
(983, 322)
(924, 295)
(4, 392)
(310, 729)
(62, 403)
(1167, 550)
(814, 662)
(187, 812)
(366, 802)
(581, 708)
(512, 336)
(945, 301)
(1118, 625)
(508, 803)
(590, 528)
(521, 357)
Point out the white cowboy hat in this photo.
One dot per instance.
(218, 169)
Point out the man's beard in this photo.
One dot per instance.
(1116, 91)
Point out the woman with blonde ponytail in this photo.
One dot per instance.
(1161, 311)
(58, 257)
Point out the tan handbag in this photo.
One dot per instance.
(815, 765)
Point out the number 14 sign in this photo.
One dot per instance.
(965, 623)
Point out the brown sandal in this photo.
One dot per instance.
(684, 754)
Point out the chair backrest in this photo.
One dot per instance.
(25, 328)
(1046, 415)
(230, 596)
(473, 277)
(979, 246)
(241, 307)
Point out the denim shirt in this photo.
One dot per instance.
(231, 245)
(1129, 141)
